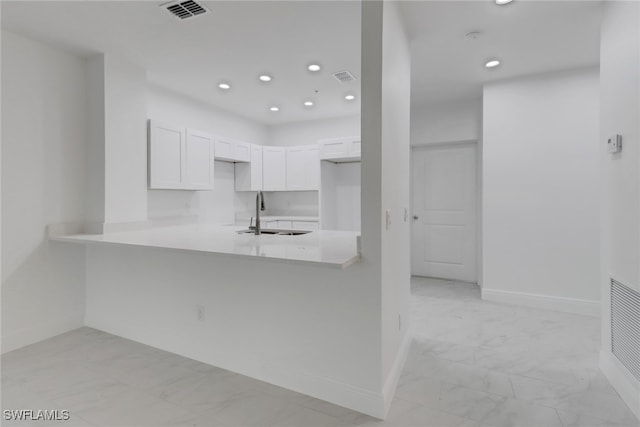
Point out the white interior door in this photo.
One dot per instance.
(444, 212)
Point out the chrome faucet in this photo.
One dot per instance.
(259, 207)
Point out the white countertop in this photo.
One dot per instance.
(325, 248)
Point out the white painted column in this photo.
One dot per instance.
(117, 143)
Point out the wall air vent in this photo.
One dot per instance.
(625, 326)
(344, 76)
(184, 9)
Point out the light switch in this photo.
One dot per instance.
(614, 144)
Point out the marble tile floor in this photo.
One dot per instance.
(472, 363)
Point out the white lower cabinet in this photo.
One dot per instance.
(270, 224)
(284, 225)
(304, 225)
(179, 158)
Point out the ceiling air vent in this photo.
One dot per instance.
(344, 76)
(185, 9)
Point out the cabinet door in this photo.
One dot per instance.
(274, 172)
(256, 168)
(199, 156)
(333, 149)
(354, 148)
(224, 149)
(304, 225)
(284, 225)
(166, 155)
(242, 152)
(297, 168)
(312, 161)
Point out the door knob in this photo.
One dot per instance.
(415, 217)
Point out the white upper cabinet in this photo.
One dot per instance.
(354, 147)
(166, 155)
(296, 168)
(249, 175)
(274, 168)
(242, 152)
(340, 149)
(199, 162)
(303, 168)
(313, 168)
(179, 158)
(224, 149)
(229, 150)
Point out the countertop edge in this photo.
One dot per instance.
(78, 239)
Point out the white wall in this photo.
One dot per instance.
(540, 191)
(116, 144)
(43, 182)
(307, 328)
(396, 137)
(385, 104)
(447, 122)
(218, 205)
(95, 151)
(309, 132)
(620, 110)
(125, 141)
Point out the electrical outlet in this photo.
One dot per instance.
(200, 309)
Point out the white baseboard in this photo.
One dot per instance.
(622, 381)
(545, 302)
(25, 336)
(391, 383)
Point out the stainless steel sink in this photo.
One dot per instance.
(277, 232)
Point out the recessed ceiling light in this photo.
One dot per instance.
(224, 86)
(501, 2)
(492, 63)
(313, 67)
(274, 108)
(308, 103)
(265, 78)
(350, 97)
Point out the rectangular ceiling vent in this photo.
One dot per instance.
(344, 76)
(185, 9)
(625, 326)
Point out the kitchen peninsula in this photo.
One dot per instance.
(329, 248)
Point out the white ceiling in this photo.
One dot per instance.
(527, 36)
(241, 39)
(235, 43)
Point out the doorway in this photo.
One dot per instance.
(444, 199)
